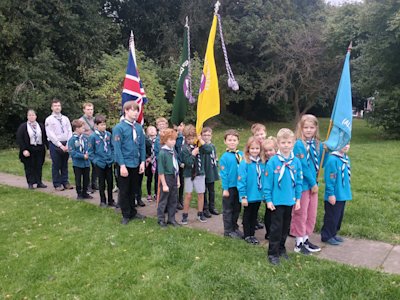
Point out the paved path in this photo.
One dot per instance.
(356, 252)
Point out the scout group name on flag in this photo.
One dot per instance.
(133, 87)
(342, 114)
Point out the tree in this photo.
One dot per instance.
(106, 80)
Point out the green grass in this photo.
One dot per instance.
(54, 248)
(373, 214)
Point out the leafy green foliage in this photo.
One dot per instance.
(106, 80)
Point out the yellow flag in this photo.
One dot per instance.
(208, 104)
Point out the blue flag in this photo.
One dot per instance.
(342, 114)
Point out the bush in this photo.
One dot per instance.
(386, 113)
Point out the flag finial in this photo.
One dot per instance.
(350, 46)
(216, 7)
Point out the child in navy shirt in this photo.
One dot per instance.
(78, 149)
(283, 186)
(337, 192)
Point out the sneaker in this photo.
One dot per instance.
(332, 241)
(239, 233)
(338, 238)
(162, 224)
(67, 186)
(259, 226)
(103, 204)
(249, 239)
(214, 212)
(207, 214)
(255, 241)
(138, 216)
(311, 247)
(274, 260)
(59, 188)
(233, 235)
(184, 219)
(201, 217)
(174, 224)
(125, 221)
(90, 190)
(301, 249)
(284, 255)
(149, 198)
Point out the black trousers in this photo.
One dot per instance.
(127, 190)
(93, 179)
(250, 215)
(138, 194)
(231, 210)
(81, 180)
(156, 182)
(33, 165)
(149, 174)
(169, 200)
(105, 175)
(332, 219)
(182, 187)
(209, 197)
(267, 221)
(280, 224)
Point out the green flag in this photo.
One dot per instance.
(183, 88)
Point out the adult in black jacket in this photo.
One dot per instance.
(32, 141)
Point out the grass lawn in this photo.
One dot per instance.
(54, 248)
(374, 212)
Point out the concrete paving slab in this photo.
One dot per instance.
(392, 262)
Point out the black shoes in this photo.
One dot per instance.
(206, 213)
(174, 224)
(259, 226)
(284, 255)
(87, 196)
(140, 203)
(103, 204)
(138, 216)
(125, 221)
(214, 212)
(274, 260)
(162, 224)
(30, 186)
(179, 206)
(41, 186)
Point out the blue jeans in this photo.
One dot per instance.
(59, 166)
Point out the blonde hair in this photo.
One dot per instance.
(161, 120)
(299, 128)
(257, 127)
(285, 133)
(246, 153)
(270, 140)
(84, 105)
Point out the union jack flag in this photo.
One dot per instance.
(133, 87)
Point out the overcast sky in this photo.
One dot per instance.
(338, 2)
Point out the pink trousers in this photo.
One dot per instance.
(303, 220)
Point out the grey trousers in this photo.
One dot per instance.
(169, 200)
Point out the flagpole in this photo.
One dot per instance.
(330, 125)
